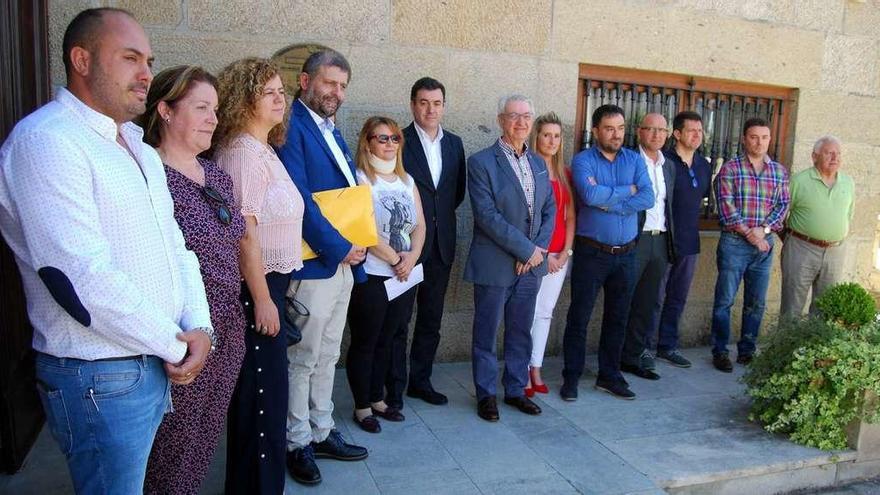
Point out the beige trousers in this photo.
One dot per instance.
(313, 360)
(808, 267)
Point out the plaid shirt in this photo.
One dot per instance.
(749, 199)
(523, 170)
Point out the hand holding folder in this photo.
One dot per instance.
(350, 211)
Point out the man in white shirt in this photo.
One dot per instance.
(654, 249)
(115, 298)
(434, 157)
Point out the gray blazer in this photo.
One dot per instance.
(503, 234)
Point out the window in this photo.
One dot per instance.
(724, 106)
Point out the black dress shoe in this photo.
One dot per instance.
(389, 414)
(487, 409)
(568, 391)
(722, 363)
(301, 466)
(639, 372)
(369, 424)
(335, 447)
(524, 404)
(615, 388)
(745, 359)
(430, 396)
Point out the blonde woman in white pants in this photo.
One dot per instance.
(547, 142)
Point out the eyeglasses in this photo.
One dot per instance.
(384, 138)
(516, 116)
(694, 182)
(658, 130)
(213, 197)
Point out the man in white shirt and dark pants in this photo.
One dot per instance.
(115, 298)
(653, 251)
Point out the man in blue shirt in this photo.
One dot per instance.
(611, 186)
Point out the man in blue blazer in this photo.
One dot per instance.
(434, 157)
(513, 210)
(317, 159)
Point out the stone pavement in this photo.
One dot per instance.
(685, 433)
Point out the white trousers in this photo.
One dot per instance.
(548, 294)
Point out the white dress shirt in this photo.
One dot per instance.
(326, 127)
(74, 201)
(655, 217)
(433, 152)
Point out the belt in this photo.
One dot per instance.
(653, 232)
(815, 242)
(605, 247)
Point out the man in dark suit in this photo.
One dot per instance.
(434, 157)
(514, 213)
(317, 159)
(654, 250)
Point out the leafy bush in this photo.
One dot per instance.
(848, 304)
(810, 378)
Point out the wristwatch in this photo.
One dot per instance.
(211, 335)
(767, 230)
(570, 252)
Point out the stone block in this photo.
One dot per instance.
(383, 75)
(557, 90)
(851, 471)
(822, 15)
(515, 26)
(778, 482)
(154, 12)
(862, 18)
(852, 118)
(849, 64)
(360, 20)
(622, 34)
(479, 79)
(864, 437)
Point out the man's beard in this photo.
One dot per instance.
(325, 106)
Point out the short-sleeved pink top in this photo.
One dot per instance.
(263, 189)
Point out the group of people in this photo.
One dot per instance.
(181, 276)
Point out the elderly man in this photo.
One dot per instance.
(654, 249)
(612, 186)
(434, 157)
(513, 210)
(317, 159)
(110, 284)
(822, 204)
(693, 181)
(752, 195)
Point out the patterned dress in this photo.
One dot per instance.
(188, 436)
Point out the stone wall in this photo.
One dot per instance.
(827, 49)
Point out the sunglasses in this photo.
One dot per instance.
(694, 182)
(213, 197)
(384, 138)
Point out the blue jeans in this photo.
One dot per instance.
(104, 416)
(592, 271)
(517, 304)
(739, 261)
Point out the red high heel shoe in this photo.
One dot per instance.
(529, 392)
(541, 389)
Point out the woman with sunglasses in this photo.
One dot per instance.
(179, 122)
(372, 318)
(253, 118)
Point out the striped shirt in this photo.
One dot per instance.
(523, 171)
(751, 199)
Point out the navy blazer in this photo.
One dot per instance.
(311, 165)
(503, 233)
(438, 203)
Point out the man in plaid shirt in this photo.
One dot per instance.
(753, 197)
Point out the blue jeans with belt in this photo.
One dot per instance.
(104, 416)
(738, 260)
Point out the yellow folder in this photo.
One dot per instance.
(350, 211)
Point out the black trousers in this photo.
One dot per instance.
(651, 262)
(430, 299)
(257, 424)
(372, 319)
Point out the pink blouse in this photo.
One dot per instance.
(263, 189)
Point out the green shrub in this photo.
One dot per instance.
(810, 378)
(847, 304)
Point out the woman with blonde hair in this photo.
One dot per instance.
(547, 142)
(253, 118)
(179, 122)
(372, 318)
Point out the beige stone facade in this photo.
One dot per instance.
(828, 49)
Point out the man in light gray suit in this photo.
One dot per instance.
(513, 210)
(655, 248)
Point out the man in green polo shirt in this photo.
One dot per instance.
(822, 203)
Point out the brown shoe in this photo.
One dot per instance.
(524, 404)
(487, 409)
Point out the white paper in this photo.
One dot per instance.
(395, 287)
